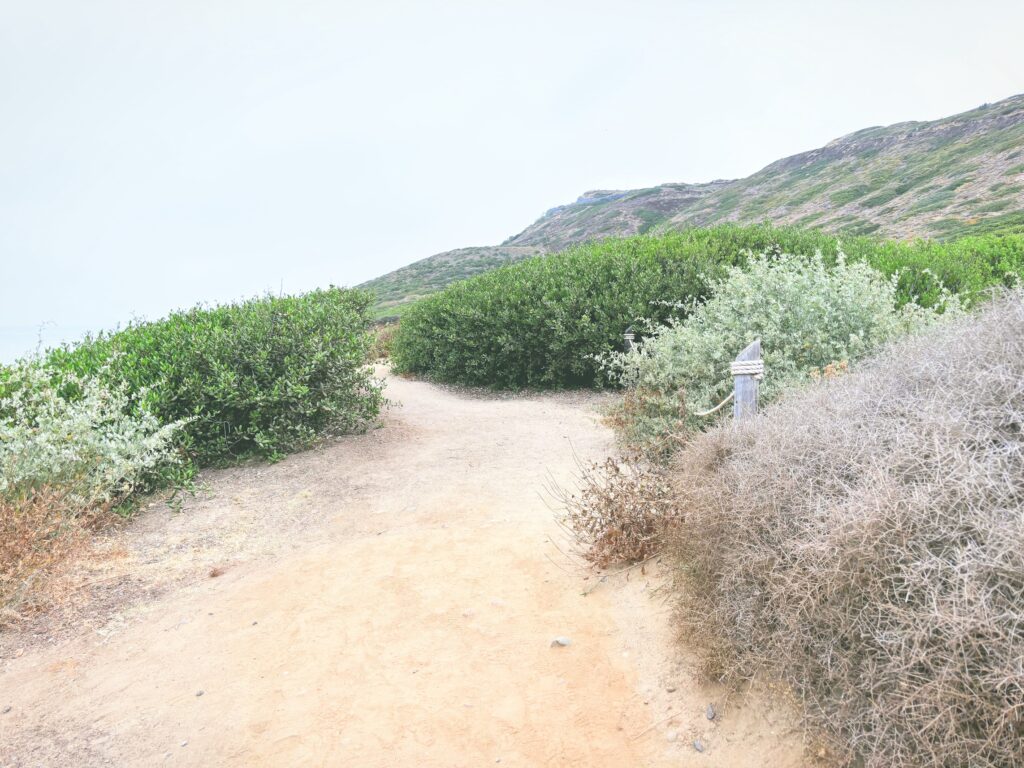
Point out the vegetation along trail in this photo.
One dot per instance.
(386, 600)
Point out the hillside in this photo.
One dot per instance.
(959, 175)
(604, 213)
(407, 284)
(944, 178)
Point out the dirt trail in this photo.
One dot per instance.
(388, 600)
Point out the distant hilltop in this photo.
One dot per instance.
(939, 179)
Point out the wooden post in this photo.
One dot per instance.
(746, 372)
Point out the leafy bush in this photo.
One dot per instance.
(95, 423)
(534, 323)
(531, 324)
(806, 313)
(925, 269)
(539, 323)
(863, 541)
(261, 377)
(95, 447)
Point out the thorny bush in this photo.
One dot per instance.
(863, 540)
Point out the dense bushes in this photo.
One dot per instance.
(94, 423)
(807, 314)
(539, 323)
(967, 267)
(533, 323)
(262, 377)
(863, 540)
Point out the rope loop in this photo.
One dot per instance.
(747, 368)
(718, 407)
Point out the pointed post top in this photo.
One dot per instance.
(750, 352)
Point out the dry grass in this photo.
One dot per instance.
(620, 513)
(631, 418)
(37, 535)
(864, 541)
(383, 336)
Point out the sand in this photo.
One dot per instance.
(388, 599)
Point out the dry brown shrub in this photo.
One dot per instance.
(831, 371)
(383, 335)
(619, 514)
(629, 418)
(864, 541)
(38, 534)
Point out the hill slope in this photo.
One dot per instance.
(958, 175)
(604, 213)
(407, 284)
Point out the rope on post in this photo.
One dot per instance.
(747, 368)
(746, 404)
(629, 337)
(753, 368)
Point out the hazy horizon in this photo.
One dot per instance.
(161, 155)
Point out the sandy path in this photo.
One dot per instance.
(390, 600)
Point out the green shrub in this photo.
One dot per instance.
(258, 378)
(806, 313)
(529, 325)
(926, 268)
(539, 323)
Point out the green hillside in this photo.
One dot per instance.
(400, 288)
(959, 175)
(937, 180)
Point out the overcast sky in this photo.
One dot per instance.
(158, 154)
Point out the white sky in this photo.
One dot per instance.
(158, 154)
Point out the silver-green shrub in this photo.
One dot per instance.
(808, 315)
(96, 446)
